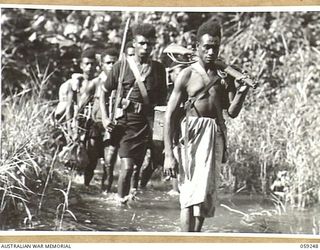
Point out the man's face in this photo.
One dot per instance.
(130, 51)
(107, 63)
(208, 48)
(88, 66)
(143, 46)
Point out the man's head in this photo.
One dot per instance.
(130, 49)
(144, 36)
(108, 59)
(208, 41)
(88, 62)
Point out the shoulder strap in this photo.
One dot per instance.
(208, 82)
(137, 75)
(118, 93)
(188, 105)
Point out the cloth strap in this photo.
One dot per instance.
(209, 83)
(118, 94)
(139, 80)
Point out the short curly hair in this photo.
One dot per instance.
(129, 45)
(111, 51)
(145, 29)
(210, 27)
(89, 53)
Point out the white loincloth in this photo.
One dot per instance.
(199, 180)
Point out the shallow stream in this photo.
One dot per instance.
(155, 210)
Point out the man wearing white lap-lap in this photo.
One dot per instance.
(200, 151)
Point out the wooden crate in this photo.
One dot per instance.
(158, 123)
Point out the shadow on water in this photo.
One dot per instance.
(155, 210)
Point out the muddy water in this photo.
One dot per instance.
(155, 210)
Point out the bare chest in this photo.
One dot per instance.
(84, 87)
(196, 84)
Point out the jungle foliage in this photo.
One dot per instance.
(274, 140)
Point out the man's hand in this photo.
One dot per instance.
(76, 78)
(170, 166)
(240, 85)
(108, 125)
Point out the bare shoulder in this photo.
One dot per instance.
(186, 72)
(184, 76)
(65, 90)
(65, 87)
(92, 84)
(96, 81)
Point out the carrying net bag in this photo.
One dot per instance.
(74, 155)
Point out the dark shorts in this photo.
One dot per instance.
(134, 136)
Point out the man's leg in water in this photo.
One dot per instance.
(147, 169)
(127, 165)
(187, 220)
(198, 223)
(93, 160)
(154, 158)
(110, 157)
(135, 177)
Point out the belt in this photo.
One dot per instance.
(134, 107)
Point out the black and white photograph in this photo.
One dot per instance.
(160, 120)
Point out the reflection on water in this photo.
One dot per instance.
(154, 210)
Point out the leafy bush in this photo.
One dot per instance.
(278, 129)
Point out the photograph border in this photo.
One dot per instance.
(65, 237)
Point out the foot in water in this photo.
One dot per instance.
(87, 189)
(78, 178)
(128, 198)
(173, 192)
(122, 201)
(105, 192)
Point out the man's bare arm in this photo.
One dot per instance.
(170, 117)
(104, 94)
(60, 111)
(89, 91)
(237, 100)
(64, 107)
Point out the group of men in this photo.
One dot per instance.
(123, 98)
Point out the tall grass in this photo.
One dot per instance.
(25, 150)
(279, 126)
(63, 207)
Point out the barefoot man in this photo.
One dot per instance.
(198, 164)
(79, 120)
(143, 87)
